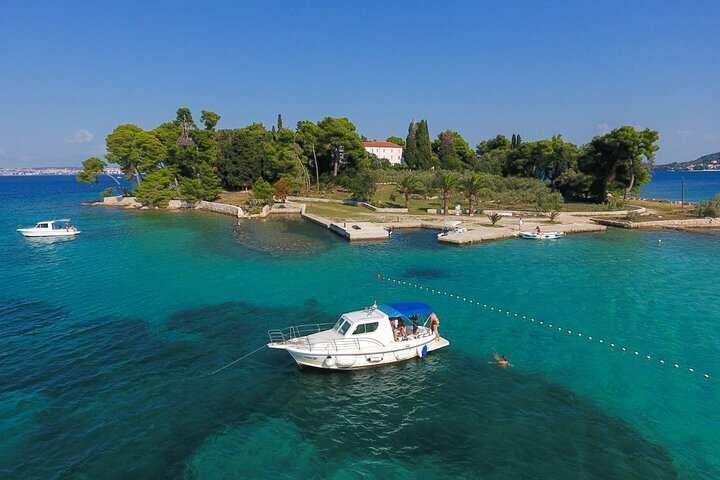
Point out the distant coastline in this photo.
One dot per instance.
(31, 172)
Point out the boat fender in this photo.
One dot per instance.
(422, 352)
(329, 361)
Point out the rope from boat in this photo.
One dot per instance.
(549, 325)
(236, 361)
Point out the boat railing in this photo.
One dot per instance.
(293, 332)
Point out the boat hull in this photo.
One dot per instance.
(30, 232)
(396, 353)
(541, 236)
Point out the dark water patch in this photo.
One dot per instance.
(426, 273)
(287, 237)
(19, 317)
(122, 401)
(448, 416)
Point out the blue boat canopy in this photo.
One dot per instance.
(406, 309)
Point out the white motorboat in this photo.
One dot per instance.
(362, 339)
(51, 228)
(452, 228)
(541, 235)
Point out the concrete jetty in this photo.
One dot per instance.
(478, 234)
(360, 230)
(352, 231)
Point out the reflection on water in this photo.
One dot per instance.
(40, 241)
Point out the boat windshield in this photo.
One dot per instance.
(342, 326)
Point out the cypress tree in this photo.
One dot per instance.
(424, 146)
(517, 141)
(279, 123)
(513, 142)
(411, 146)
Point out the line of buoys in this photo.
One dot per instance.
(533, 320)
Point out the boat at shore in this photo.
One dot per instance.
(51, 228)
(365, 338)
(541, 235)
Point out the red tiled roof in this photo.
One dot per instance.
(381, 144)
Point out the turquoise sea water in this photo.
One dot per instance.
(106, 340)
(699, 186)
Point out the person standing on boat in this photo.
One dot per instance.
(435, 325)
(414, 320)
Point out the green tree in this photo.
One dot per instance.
(342, 147)
(622, 159)
(453, 151)
(425, 159)
(362, 185)
(209, 119)
(408, 186)
(242, 155)
(157, 189)
(279, 122)
(134, 151)
(262, 190)
(307, 135)
(93, 167)
(396, 141)
(205, 185)
(410, 152)
(472, 186)
(447, 183)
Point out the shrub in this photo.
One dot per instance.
(494, 217)
(711, 208)
(262, 190)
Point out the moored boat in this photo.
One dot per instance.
(377, 335)
(51, 228)
(541, 235)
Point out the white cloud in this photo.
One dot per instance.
(602, 128)
(81, 136)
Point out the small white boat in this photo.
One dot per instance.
(51, 228)
(361, 339)
(452, 228)
(541, 235)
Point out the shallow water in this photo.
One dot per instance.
(106, 341)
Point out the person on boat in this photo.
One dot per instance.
(501, 360)
(435, 325)
(393, 323)
(537, 229)
(414, 320)
(401, 333)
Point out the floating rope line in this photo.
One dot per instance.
(235, 361)
(557, 328)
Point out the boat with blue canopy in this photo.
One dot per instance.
(377, 335)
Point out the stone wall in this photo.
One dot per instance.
(383, 210)
(120, 201)
(223, 208)
(662, 224)
(178, 204)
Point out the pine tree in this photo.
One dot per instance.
(410, 152)
(424, 146)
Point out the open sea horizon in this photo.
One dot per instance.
(107, 340)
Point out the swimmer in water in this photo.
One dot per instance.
(501, 360)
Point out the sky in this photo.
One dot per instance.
(70, 72)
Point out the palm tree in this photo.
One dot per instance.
(471, 186)
(446, 182)
(408, 186)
